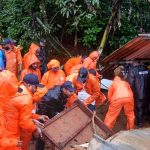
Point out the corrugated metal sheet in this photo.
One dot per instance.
(139, 47)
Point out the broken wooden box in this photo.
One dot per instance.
(73, 127)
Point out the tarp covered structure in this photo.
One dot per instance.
(139, 48)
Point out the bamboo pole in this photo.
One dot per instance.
(108, 27)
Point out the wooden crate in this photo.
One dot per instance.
(73, 127)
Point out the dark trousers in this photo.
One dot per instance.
(147, 109)
(91, 107)
(39, 145)
(147, 106)
(139, 109)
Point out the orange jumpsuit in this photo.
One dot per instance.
(32, 50)
(74, 72)
(51, 78)
(8, 81)
(91, 61)
(39, 94)
(120, 96)
(91, 86)
(13, 59)
(71, 100)
(102, 98)
(71, 63)
(71, 76)
(76, 68)
(25, 134)
(17, 114)
(30, 59)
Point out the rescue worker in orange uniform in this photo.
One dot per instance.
(86, 82)
(18, 115)
(73, 62)
(120, 96)
(91, 61)
(33, 49)
(74, 72)
(36, 96)
(8, 81)
(31, 65)
(102, 96)
(39, 51)
(13, 57)
(54, 76)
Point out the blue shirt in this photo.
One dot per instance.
(2, 59)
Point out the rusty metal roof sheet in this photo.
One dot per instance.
(139, 47)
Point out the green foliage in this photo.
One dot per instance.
(91, 27)
(84, 19)
(89, 36)
(16, 21)
(134, 20)
(63, 18)
(68, 7)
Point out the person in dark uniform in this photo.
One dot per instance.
(53, 102)
(42, 56)
(138, 77)
(147, 100)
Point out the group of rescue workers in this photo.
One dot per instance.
(43, 90)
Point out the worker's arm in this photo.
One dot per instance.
(39, 75)
(110, 92)
(62, 77)
(45, 79)
(95, 93)
(25, 116)
(41, 91)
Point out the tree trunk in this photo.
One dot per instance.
(75, 39)
(90, 7)
(43, 11)
(109, 25)
(51, 38)
(46, 27)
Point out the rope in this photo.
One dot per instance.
(93, 122)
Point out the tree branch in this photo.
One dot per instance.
(90, 7)
(53, 41)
